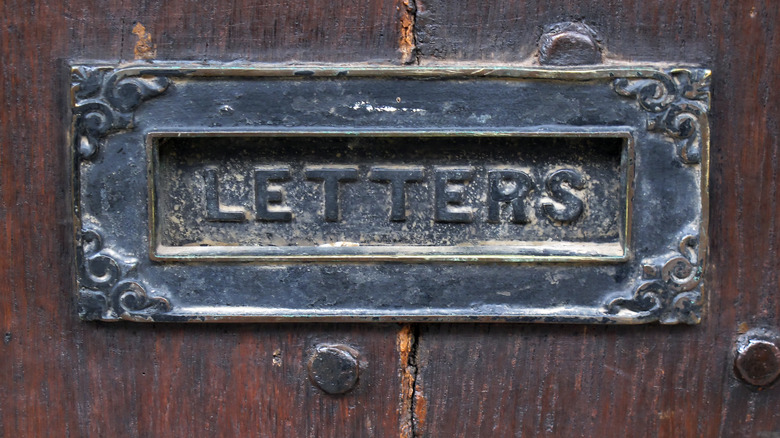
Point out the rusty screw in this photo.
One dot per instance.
(757, 360)
(569, 43)
(334, 368)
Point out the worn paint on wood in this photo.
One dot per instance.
(144, 48)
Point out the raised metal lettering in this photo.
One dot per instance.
(331, 178)
(268, 198)
(215, 212)
(398, 178)
(508, 186)
(572, 205)
(449, 195)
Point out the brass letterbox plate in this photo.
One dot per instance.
(271, 193)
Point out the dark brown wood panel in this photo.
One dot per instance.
(238, 30)
(507, 31)
(63, 377)
(501, 380)
(227, 380)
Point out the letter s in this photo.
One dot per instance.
(572, 205)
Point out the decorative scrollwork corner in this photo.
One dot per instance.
(679, 100)
(673, 298)
(106, 290)
(104, 102)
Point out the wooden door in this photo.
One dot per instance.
(60, 376)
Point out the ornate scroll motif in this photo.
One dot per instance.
(105, 101)
(672, 298)
(680, 100)
(106, 290)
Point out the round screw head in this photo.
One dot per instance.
(758, 358)
(569, 43)
(334, 368)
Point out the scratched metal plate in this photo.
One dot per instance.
(225, 193)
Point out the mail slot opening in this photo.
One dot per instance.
(502, 196)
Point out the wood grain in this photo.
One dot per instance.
(63, 377)
(493, 380)
(508, 31)
(238, 30)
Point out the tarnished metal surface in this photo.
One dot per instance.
(334, 368)
(224, 193)
(369, 197)
(757, 357)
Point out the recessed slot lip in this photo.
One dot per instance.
(523, 252)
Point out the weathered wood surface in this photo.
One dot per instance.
(491, 380)
(63, 377)
(633, 30)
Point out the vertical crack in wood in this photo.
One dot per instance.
(408, 41)
(408, 338)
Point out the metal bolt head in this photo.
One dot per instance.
(334, 368)
(569, 43)
(757, 360)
